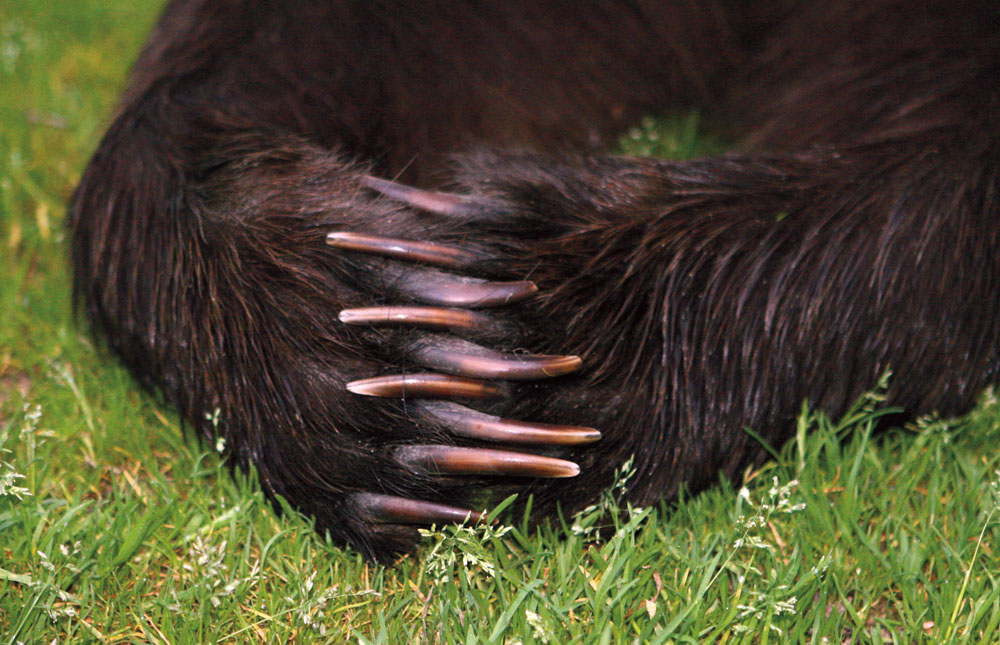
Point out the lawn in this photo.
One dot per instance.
(117, 526)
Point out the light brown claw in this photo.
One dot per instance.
(442, 255)
(434, 386)
(436, 288)
(453, 460)
(427, 317)
(485, 427)
(389, 509)
(432, 202)
(467, 359)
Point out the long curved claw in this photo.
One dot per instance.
(453, 460)
(467, 359)
(436, 288)
(433, 386)
(427, 317)
(448, 204)
(442, 255)
(389, 509)
(470, 423)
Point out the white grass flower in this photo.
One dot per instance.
(8, 480)
(543, 633)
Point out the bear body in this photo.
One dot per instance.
(237, 208)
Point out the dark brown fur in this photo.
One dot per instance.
(856, 229)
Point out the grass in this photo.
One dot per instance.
(115, 526)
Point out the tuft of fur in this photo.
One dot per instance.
(857, 228)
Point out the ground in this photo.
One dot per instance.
(118, 526)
